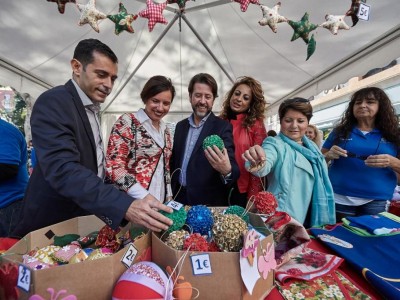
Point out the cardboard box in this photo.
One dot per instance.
(86, 280)
(225, 281)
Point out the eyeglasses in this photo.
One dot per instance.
(295, 100)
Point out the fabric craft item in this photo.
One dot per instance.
(54, 295)
(334, 23)
(81, 256)
(61, 4)
(35, 264)
(86, 241)
(123, 20)
(378, 254)
(307, 266)
(90, 15)
(99, 253)
(353, 11)
(376, 224)
(65, 239)
(153, 12)
(311, 47)
(302, 28)
(332, 286)
(109, 238)
(45, 254)
(271, 17)
(244, 4)
(64, 255)
(8, 280)
(291, 238)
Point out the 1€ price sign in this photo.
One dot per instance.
(174, 205)
(129, 255)
(201, 264)
(24, 278)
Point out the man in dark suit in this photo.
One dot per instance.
(68, 180)
(203, 176)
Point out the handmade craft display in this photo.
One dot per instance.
(334, 23)
(61, 4)
(265, 203)
(195, 242)
(154, 13)
(123, 20)
(227, 232)
(271, 17)
(176, 239)
(178, 217)
(239, 211)
(90, 15)
(302, 28)
(212, 140)
(199, 219)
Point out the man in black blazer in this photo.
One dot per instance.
(68, 180)
(202, 176)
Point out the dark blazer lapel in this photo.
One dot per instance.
(181, 140)
(82, 112)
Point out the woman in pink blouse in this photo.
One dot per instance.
(140, 145)
(244, 108)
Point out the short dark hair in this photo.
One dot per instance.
(206, 79)
(85, 49)
(271, 133)
(156, 85)
(299, 104)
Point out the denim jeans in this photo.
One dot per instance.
(371, 208)
(9, 217)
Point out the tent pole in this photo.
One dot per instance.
(177, 15)
(207, 48)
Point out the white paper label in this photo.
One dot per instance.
(174, 205)
(363, 12)
(201, 264)
(24, 278)
(129, 255)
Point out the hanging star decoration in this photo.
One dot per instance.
(353, 11)
(61, 4)
(311, 47)
(153, 12)
(90, 15)
(244, 4)
(271, 17)
(181, 3)
(334, 23)
(123, 20)
(302, 28)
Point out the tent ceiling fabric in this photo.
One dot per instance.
(37, 38)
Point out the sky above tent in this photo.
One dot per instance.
(37, 38)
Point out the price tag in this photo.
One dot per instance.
(24, 278)
(174, 205)
(363, 12)
(201, 264)
(129, 256)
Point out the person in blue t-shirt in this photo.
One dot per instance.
(364, 150)
(13, 176)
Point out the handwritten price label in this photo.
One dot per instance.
(129, 255)
(24, 278)
(364, 11)
(201, 264)
(174, 205)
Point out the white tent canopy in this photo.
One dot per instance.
(37, 43)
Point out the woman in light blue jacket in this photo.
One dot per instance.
(296, 169)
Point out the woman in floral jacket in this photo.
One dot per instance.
(140, 145)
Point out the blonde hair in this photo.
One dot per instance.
(318, 136)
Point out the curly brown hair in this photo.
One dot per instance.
(257, 104)
(386, 119)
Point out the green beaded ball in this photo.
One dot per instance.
(239, 211)
(213, 140)
(178, 217)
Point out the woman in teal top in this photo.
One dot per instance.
(296, 169)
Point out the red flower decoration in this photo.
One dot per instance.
(8, 280)
(212, 247)
(313, 258)
(153, 12)
(196, 243)
(108, 238)
(265, 203)
(294, 271)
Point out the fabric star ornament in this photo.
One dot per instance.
(271, 17)
(244, 4)
(90, 15)
(353, 10)
(312, 44)
(302, 28)
(61, 4)
(181, 3)
(334, 23)
(122, 20)
(153, 12)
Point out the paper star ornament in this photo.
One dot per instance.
(181, 3)
(122, 20)
(271, 17)
(302, 28)
(61, 4)
(153, 12)
(353, 10)
(334, 23)
(244, 4)
(90, 15)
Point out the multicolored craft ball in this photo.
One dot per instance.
(143, 280)
(265, 203)
(199, 219)
(228, 233)
(176, 239)
(196, 242)
(239, 211)
(178, 217)
(213, 140)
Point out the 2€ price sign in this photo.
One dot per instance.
(363, 12)
(129, 255)
(201, 264)
(174, 205)
(24, 278)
